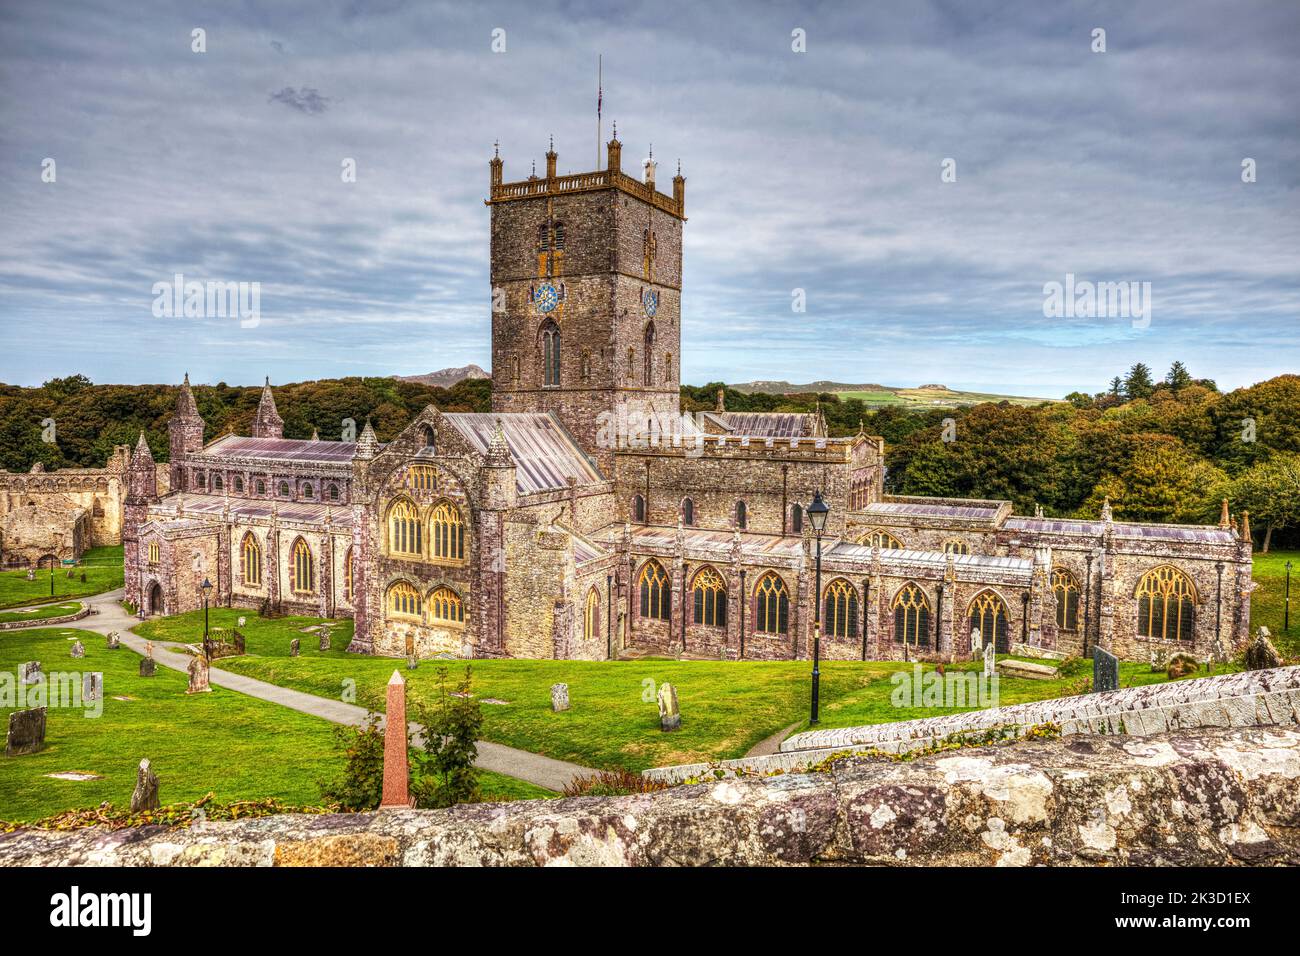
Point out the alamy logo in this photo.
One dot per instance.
(1082, 299)
(208, 300)
(74, 909)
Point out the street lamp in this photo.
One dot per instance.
(206, 586)
(817, 512)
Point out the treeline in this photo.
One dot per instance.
(88, 420)
(1164, 451)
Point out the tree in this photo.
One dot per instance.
(1117, 386)
(1162, 481)
(1138, 384)
(1178, 376)
(443, 771)
(1270, 491)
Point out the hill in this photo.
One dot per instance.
(874, 396)
(447, 377)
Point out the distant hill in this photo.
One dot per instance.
(873, 395)
(447, 377)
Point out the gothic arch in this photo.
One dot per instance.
(911, 607)
(840, 609)
(988, 613)
(771, 605)
(654, 590)
(1065, 588)
(709, 595)
(1166, 604)
(548, 344)
(404, 527)
(879, 537)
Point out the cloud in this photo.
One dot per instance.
(306, 100)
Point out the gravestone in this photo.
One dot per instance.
(147, 667)
(410, 652)
(242, 621)
(1105, 670)
(199, 673)
(78, 649)
(1261, 654)
(92, 686)
(31, 575)
(113, 641)
(30, 672)
(324, 638)
(293, 647)
(976, 643)
(990, 661)
(559, 697)
(26, 732)
(145, 796)
(83, 577)
(670, 717)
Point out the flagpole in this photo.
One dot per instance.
(600, 91)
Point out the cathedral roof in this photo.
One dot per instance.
(545, 454)
(1203, 534)
(771, 424)
(282, 449)
(250, 509)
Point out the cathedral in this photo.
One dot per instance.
(587, 517)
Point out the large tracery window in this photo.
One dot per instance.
(1066, 590)
(911, 616)
(404, 530)
(655, 592)
(988, 615)
(404, 601)
(446, 607)
(710, 593)
(840, 609)
(448, 533)
(550, 340)
(771, 605)
(1166, 605)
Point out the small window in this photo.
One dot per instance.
(217, 483)
(334, 492)
(154, 552)
(284, 489)
(261, 487)
(796, 519)
(307, 492)
(558, 237)
(688, 512)
(638, 509)
(239, 485)
(742, 515)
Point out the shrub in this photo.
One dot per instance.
(362, 785)
(443, 771)
(612, 783)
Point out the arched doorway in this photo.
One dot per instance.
(154, 600)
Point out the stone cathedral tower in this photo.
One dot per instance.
(586, 297)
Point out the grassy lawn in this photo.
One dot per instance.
(41, 613)
(1266, 603)
(235, 746)
(103, 567)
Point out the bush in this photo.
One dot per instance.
(362, 785)
(443, 772)
(612, 783)
(1073, 667)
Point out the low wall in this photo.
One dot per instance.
(1214, 797)
(46, 621)
(1245, 699)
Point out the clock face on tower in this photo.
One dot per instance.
(650, 303)
(546, 298)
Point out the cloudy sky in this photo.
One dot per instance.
(817, 170)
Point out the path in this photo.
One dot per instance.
(771, 745)
(534, 768)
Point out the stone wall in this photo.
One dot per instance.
(1220, 797)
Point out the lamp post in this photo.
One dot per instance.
(1286, 611)
(206, 587)
(817, 512)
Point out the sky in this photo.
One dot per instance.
(821, 170)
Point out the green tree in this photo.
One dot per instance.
(1138, 384)
(443, 771)
(1178, 376)
(1270, 491)
(1162, 481)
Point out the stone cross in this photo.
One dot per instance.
(397, 777)
(92, 686)
(199, 673)
(26, 732)
(145, 796)
(1105, 670)
(559, 697)
(30, 672)
(78, 649)
(113, 641)
(147, 667)
(293, 647)
(990, 660)
(670, 717)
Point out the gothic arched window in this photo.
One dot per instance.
(1166, 605)
(710, 593)
(446, 607)
(742, 515)
(1066, 590)
(988, 615)
(448, 532)
(404, 529)
(796, 518)
(239, 485)
(550, 341)
(347, 576)
(557, 237)
(638, 509)
(304, 571)
(404, 601)
(840, 609)
(688, 511)
(956, 546)
(653, 583)
(879, 538)
(591, 615)
(911, 616)
(649, 354)
(250, 560)
(771, 605)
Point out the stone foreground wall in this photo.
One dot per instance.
(1215, 797)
